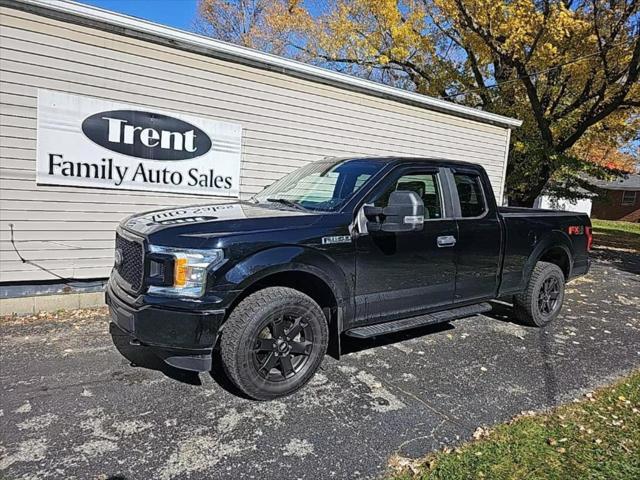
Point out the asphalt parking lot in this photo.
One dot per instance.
(72, 406)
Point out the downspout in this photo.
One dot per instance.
(504, 167)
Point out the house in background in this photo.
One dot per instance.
(621, 201)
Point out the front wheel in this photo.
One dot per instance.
(542, 300)
(273, 342)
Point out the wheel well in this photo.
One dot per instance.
(310, 285)
(559, 257)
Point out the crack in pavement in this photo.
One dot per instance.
(446, 416)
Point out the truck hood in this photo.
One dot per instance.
(218, 219)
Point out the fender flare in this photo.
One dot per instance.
(293, 259)
(282, 259)
(555, 239)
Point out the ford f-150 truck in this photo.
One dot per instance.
(360, 247)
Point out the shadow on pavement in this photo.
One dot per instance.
(220, 377)
(627, 261)
(505, 313)
(501, 311)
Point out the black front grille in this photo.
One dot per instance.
(131, 265)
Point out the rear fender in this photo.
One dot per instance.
(554, 239)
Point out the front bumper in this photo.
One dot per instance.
(183, 338)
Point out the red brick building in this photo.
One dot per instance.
(621, 202)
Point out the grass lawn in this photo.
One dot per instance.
(607, 233)
(596, 438)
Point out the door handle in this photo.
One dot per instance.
(446, 241)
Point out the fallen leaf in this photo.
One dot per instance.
(480, 432)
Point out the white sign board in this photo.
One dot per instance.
(88, 142)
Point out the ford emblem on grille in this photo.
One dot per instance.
(117, 257)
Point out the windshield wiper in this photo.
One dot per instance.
(286, 202)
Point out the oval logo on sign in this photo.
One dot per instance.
(147, 135)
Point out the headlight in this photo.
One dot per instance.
(190, 269)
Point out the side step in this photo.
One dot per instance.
(420, 321)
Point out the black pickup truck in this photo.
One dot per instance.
(358, 246)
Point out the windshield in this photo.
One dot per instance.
(324, 185)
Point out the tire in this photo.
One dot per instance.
(273, 342)
(541, 301)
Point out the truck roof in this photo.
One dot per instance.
(400, 159)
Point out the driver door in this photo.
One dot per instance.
(407, 273)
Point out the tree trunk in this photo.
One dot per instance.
(528, 197)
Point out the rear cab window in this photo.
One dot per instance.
(470, 194)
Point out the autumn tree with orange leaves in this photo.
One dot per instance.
(569, 69)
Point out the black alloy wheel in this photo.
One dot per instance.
(541, 301)
(273, 342)
(548, 296)
(283, 347)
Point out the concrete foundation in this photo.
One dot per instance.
(50, 303)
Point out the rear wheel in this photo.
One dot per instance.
(542, 300)
(273, 342)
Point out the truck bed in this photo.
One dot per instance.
(528, 231)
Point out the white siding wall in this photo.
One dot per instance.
(286, 121)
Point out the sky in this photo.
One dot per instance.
(175, 13)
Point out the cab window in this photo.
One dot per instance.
(424, 184)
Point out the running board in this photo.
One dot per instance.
(420, 321)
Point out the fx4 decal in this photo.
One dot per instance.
(336, 239)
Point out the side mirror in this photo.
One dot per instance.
(404, 213)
